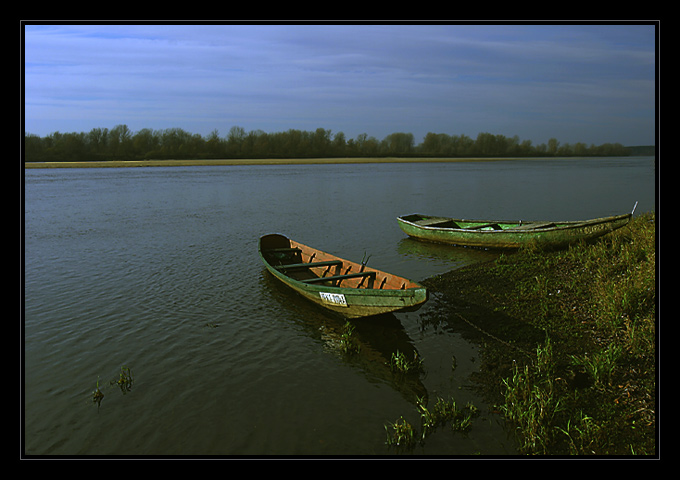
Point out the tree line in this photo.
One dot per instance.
(120, 143)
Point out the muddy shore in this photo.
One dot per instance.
(468, 301)
(256, 161)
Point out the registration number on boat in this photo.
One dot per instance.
(334, 298)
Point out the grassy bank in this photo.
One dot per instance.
(249, 161)
(569, 341)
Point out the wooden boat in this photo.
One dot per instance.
(350, 289)
(507, 234)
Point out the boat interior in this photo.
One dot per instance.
(440, 222)
(312, 266)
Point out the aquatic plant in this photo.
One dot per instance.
(400, 364)
(124, 380)
(445, 411)
(348, 343)
(97, 395)
(403, 434)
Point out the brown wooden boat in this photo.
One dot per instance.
(350, 289)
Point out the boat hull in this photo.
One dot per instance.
(503, 234)
(357, 291)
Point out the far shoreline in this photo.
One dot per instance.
(269, 161)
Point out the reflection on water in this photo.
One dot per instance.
(451, 256)
(378, 338)
(126, 267)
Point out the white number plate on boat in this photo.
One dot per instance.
(334, 298)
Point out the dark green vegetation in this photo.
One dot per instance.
(401, 364)
(120, 143)
(124, 382)
(402, 434)
(569, 341)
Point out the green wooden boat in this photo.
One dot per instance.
(350, 289)
(507, 234)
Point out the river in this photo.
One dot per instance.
(156, 269)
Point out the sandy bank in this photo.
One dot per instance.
(261, 161)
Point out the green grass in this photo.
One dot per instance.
(597, 305)
(532, 401)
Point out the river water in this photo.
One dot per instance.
(156, 269)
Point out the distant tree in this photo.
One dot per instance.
(488, 144)
(236, 134)
(339, 144)
(145, 143)
(97, 139)
(214, 144)
(580, 149)
(33, 147)
(321, 143)
(120, 141)
(293, 143)
(360, 144)
(436, 144)
(398, 143)
(463, 145)
(72, 147)
(370, 147)
(525, 148)
(253, 144)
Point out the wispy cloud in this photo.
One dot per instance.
(534, 81)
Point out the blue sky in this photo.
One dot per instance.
(576, 83)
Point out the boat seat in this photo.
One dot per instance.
(282, 250)
(533, 226)
(338, 277)
(437, 222)
(308, 265)
(495, 226)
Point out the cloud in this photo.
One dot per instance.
(374, 79)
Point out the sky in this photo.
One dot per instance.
(585, 83)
